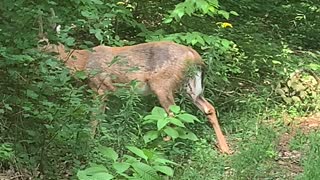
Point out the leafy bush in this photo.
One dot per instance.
(146, 165)
(45, 111)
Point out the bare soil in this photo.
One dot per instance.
(291, 159)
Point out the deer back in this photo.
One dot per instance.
(146, 62)
(143, 62)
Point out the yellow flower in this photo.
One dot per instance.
(225, 25)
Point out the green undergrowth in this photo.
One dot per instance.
(252, 82)
(311, 161)
(251, 138)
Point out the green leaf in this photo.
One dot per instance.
(108, 153)
(276, 62)
(150, 136)
(130, 159)
(151, 154)
(158, 111)
(188, 118)
(138, 152)
(145, 171)
(70, 41)
(162, 123)
(101, 176)
(234, 13)
(225, 43)
(167, 20)
(8, 107)
(203, 5)
(314, 66)
(200, 40)
(85, 13)
(189, 38)
(176, 121)
(99, 35)
(165, 161)
(187, 134)
(191, 136)
(97, 2)
(80, 74)
(214, 3)
(179, 12)
(225, 14)
(152, 117)
(165, 170)
(52, 3)
(189, 9)
(96, 172)
(175, 109)
(212, 9)
(120, 167)
(194, 41)
(171, 132)
(51, 63)
(32, 94)
(82, 175)
(89, 14)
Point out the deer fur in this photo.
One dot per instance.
(159, 67)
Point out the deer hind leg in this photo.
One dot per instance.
(195, 89)
(164, 94)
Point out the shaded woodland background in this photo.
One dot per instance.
(262, 75)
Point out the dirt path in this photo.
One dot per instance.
(291, 159)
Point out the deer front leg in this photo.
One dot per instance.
(209, 110)
(95, 122)
(100, 84)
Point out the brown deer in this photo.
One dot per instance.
(159, 67)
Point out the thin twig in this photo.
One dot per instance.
(17, 176)
(40, 21)
(251, 82)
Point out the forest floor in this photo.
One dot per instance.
(291, 159)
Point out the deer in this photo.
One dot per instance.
(160, 68)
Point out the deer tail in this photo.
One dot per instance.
(194, 86)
